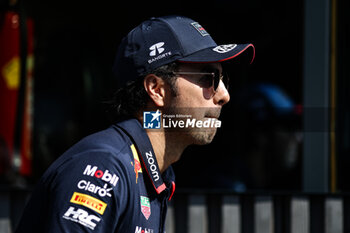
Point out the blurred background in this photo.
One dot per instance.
(286, 129)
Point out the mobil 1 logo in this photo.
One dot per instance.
(105, 175)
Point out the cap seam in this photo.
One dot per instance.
(175, 34)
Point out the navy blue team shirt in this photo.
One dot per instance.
(108, 182)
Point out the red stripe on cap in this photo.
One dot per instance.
(250, 45)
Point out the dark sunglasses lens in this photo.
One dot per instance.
(226, 81)
(216, 80)
(219, 77)
(206, 81)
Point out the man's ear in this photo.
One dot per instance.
(155, 87)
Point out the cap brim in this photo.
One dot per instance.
(218, 54)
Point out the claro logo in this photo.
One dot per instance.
(152, 166)
(103, 175)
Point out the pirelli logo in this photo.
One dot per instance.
(89, 202)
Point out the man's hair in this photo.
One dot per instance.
(128, 101)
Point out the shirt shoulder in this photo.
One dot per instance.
(109, 146)
(91, 179)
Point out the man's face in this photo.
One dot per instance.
(197, 98)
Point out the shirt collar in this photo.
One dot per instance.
(147, 156)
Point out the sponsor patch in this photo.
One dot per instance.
(156, 49)
(200, 29)
(157, 52)
(143, 230)
(103, 175)
(82, 217)
(224, 48)
(89, 202)
(145, 207)
(136, 164)
(151, 163)
(88, 186)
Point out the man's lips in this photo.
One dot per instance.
(214, 114)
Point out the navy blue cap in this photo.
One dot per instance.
(159, 41)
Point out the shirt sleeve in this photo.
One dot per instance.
(88, 193)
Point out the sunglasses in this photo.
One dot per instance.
(209, 79)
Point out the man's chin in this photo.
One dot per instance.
(204, 136)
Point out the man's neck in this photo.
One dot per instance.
(167, 147)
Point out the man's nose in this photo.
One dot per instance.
(221, 96)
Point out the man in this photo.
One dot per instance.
(120, 179)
